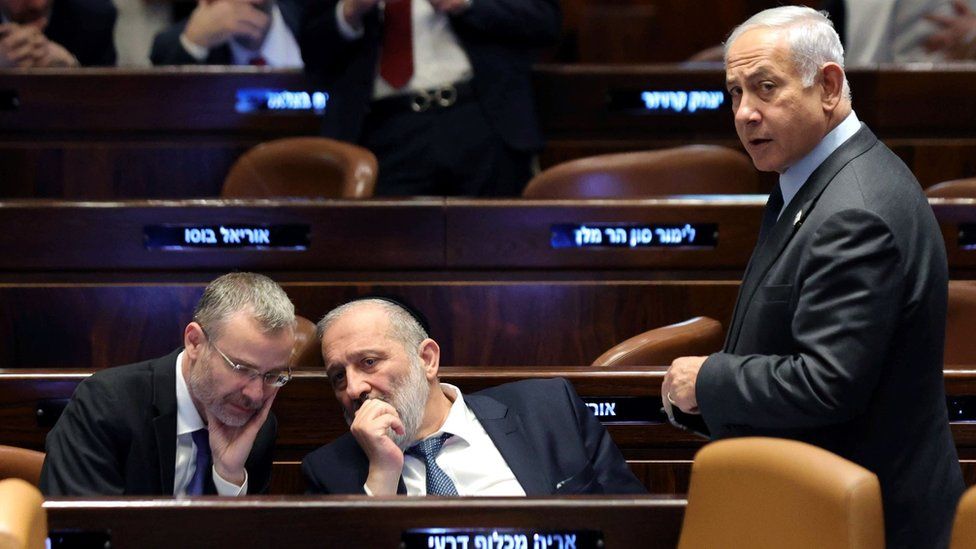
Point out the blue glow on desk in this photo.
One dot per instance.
(250, 100)
(631, 235)
(680, 101)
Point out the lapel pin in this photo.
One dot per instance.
(797, 219)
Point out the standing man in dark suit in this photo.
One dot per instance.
(439, 90)
(233, 32)
(411, 434)
(195, 422)
(838, 332)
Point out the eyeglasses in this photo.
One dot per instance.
(274, 378)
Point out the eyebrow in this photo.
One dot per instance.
(338, 363)
(759, 72)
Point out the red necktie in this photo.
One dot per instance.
(258, 61)
(396, 57)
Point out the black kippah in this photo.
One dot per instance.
(399, 302)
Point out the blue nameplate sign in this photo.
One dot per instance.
(251, 100)
(667, 101)
(226, 236)
(622, 409)
(507, 538)
(631, 235)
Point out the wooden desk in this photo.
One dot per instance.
(174, 132)
(57, 325)
(81, 274)
(150, 133)
(923, 114)
(359, 521)
(411, 239)
(408, 238)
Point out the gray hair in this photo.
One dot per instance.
(809, 34)
(231, 293)
(403, 326)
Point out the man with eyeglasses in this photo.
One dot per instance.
(194, 422)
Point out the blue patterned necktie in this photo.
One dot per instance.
(438, 483)
(201, 438)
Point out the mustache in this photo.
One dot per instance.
(246, 402)
(358, 403)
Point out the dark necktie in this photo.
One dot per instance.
(396, 56)
(771, 213)
(201, 438)
(438, 483)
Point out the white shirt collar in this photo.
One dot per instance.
(187, 417)
(796, 175)
(460, 419)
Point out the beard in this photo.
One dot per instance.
(203, 387)
(409, 399)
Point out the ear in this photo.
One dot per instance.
(193, 340)
(430, 354)
(832, 85)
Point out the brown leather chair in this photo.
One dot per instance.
(695, 337)
(307, 353)
(960, 345)
(761, 493)
(312, 167)
(21, 463)
(964, 527)
(693, 169)
(23, 521)
(957, 188)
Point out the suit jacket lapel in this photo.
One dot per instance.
(504, 427)
(291, 12)
(769, 250)
(164, 422)
(773, 205)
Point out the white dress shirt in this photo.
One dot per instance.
(279, 49)
(187, 421)
(469, 457)
(796, 175)
(438, 58)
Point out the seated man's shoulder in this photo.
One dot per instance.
(529, 391)
(129, 382)
(339, 467)
(339, 449)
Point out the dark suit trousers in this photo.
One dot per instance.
(443, 152)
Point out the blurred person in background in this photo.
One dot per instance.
(56, 33)
(233, 32)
